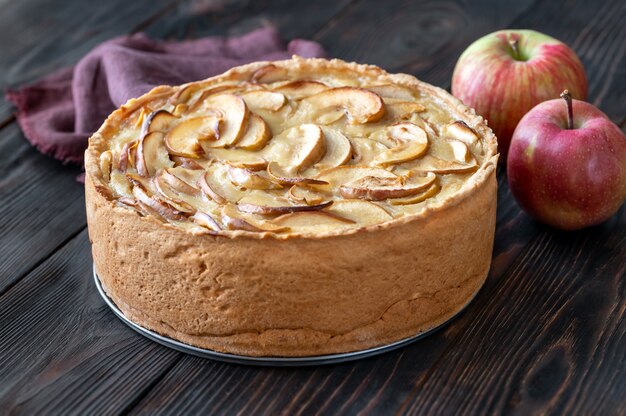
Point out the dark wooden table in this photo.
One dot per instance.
(547, 334)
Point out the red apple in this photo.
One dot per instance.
(567, 164)
(504, 74)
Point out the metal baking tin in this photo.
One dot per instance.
(262, 361)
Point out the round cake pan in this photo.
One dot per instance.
(261, 361)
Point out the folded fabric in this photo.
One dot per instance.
(58, 113)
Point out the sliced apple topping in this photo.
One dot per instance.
(420, 197)
(184, 139)
(160, 120)
(205, 220)
(360, 105)
(430, 163)
(234, 115)
(106, 161)
(302, 88)
(237, 220)
(265, 204)
(167, 194)
(413, 144)
(338, 149)
(366, 150)
(345, 174)
(378, 189)
(218, 179)
(269, 73)
(180, 179)
(264, 100)
(127, 156)
(297, 148)
(256, 135)
(312, 221)
(282, 177)
(204, 182)
(155, 204)
(392, 91)
(403, 110)
(248, 179)
(360, 211)
(309, 195)
(459, 130)
(151, 155)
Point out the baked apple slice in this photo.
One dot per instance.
(345, 174)
(160, 207)
(269, 73)
(249, 179)
(301, 88)
(304, 194)
(264, 100)
(360, 105)
(151, 155)
(338, 149)
(378, 189)
(360, 211)
(184, 139)
(257, 134)
(413, 143)
(205, 220)
(297, 148)
(205, 184)
(282, 177)
(236, 220)
(459, 130)
(167, 194)
(234, 116)
(420, 197)
(268, 204)
(392, 91)
(181, 180)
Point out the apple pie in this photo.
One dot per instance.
(292, 208)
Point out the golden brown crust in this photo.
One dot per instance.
(268, 294)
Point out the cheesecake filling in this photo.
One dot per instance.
(288, 153)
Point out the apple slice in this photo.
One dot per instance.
(217, 177)
(365, 150)
(208, 93)
(239, 158)
(127, 156)
(413, 144)
(420, 197)
(403, 110)
(151, 155)
(268, 204)
(264, 100)
(312, 221)
(180, 179)
(257, 134)
(186, 163)
(160, 120)
(167, 194)
(378, 189)
(248, 179)
(184, 139)
(106, 162)
(392, 91)
(303, 194)
(208, 190)
(205, 220)
(459, 130)
(360, 211)
(345, 174)
(360, 105)
(237, 220)
(297, 148)
(301, 88)
(430, 163)
(338, 149)
(281, 177)
(269, 73)
(234, 115)
(160, 207)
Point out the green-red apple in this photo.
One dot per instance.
(568, 171)
(506, 73)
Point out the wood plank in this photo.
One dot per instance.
(293, 18)
(42, 205)
(63, 351)
(557, 318)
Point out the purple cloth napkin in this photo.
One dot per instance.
(59, 112)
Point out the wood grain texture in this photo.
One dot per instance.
(62, 350)
(546, 334)
(42, 206)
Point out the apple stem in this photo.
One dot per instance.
(513, 42)
(570, 111)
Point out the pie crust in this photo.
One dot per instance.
(266, 289)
